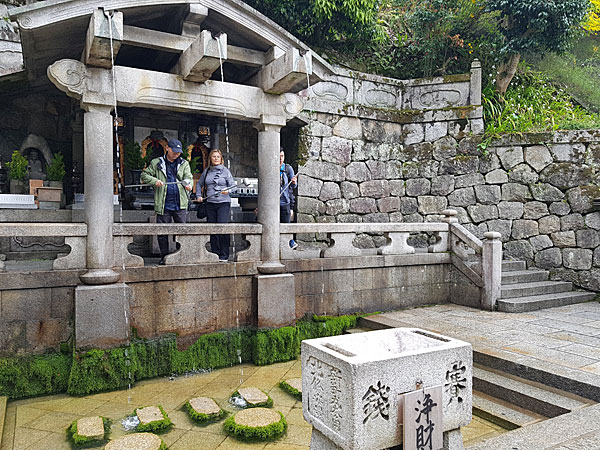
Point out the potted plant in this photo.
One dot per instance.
(17, 172)
(56, 171)
(133, 160)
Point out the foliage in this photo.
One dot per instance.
(204, 418)
(253, 434)
(533, 26)
(17, 167)
(34, 375)
(324, 22)
(132, 155)
(56, 168)
(83, 441)
(290, 390)
(592, 22)
(156, 426)
(533, 104)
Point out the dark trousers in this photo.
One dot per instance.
(179, 216)
(219, 213)
(284, 213)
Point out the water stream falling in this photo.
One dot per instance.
(109, 15)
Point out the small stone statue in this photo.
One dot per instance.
(35, 169)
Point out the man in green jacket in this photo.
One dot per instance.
(171, 177)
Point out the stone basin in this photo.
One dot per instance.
(353, 384)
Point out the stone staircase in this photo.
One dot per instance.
(530, 290)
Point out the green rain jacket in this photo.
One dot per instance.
(157, 170)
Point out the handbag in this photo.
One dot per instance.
(201, 210)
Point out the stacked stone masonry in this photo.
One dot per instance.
(536, 190)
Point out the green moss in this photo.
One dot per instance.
(252, 434)
(156, 426)
(83, 441)
(100, 370)
(290, 390)
(34, 375)
(204, 418)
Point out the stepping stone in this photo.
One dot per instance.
(149, 414)
(253, 396)
(296, 383)
(136, 441)
(205, 405)
(257, 417)
(91, 428)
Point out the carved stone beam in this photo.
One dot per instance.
(97, 41)
(205, 55)
(194, 19)
(288, 73)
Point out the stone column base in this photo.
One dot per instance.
(101, 315)
(276, 300)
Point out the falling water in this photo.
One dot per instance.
(122, 251)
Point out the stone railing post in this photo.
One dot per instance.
(475, 88)
(491, 269)
(268, 192)
(450, 218)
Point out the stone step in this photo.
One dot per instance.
(357, 330)
(537, 302)
(524, 276)
(509, 266)
(3, 402)
(535, 288)
(525, 394)
(503, 414)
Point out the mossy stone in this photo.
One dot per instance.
(253, 396)
(257, 424)
(91, 427)
(136, 441)
(292, 386)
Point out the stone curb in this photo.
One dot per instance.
(3, 402)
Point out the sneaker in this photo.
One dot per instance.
(223, 260)
(293, 244)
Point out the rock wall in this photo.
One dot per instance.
(537, 190)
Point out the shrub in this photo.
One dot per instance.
(17, 167)
(56, 168)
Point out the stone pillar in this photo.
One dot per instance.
(98, 170)
(268, 191)
(475, 88)
(491, 269)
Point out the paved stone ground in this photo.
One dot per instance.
(564, 341)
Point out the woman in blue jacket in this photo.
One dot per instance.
(213, 186)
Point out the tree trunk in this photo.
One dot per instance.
(506, 72)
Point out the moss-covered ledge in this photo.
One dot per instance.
(82, 373)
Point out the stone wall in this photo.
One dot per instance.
(37, 309)
(536, 190)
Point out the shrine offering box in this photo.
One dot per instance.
(353, 386)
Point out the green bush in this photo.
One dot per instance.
(35, 375)
(56, 168)
(17, 167)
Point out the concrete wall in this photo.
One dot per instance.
(36, 310)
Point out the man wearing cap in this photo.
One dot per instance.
(171, 177)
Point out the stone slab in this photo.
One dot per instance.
(101, 315)
(149, 414)
(257, 417)
(205, 405)
(91, 427)
(253, 395)
(295, 383)
(136, 441)
(276, 300)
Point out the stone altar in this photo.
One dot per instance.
(354, 385)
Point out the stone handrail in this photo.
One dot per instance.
(342, 236)
(479, 261)
(192, 238)
(74, 234)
